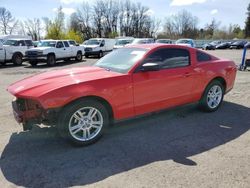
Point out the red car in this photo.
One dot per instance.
(126, 83)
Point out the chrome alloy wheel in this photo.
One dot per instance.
(214, 96)
(85, 123)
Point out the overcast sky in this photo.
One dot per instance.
(226, 11)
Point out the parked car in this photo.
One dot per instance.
(211, 45)
(121, 42)
(186, 42)
(4, 38)
(238, 44)
(13, 50)
(98, 47)
(50, 51)
(163, 41)
(142, 41)
(224, 45)
(128, 82)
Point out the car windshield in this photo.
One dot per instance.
(123, 42)
(10, 42)
(121, 60)
(93, 42)
(139, 41)
(47, 44)
(183, 42)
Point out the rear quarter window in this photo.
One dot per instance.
(202, 57)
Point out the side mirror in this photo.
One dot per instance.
(101, 45)
(150, 67)
(77, 44)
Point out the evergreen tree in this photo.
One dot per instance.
(247, 23)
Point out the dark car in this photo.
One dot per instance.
(238, 44)
(211, 45)
(224, 45)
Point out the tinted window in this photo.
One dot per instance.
(66, 44)
(28, 43)
(169, 58)
(59, 45)
(203, 57)
(20, 43)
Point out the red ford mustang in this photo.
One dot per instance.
(128, 82)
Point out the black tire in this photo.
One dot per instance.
(33, 63)
(27, 126)
(100, 55)
(3, 63)
(204, 104)
(51, 60)
(79, 56)
(17, 59)
(66, 119)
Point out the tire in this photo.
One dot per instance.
(17, 59)
(78, 56)
(87, 56)
(27, 126)
(72, 117)
(100, 55)
(51, 60)
(33, 63)
(212, 96)
(3, 63)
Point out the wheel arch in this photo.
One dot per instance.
(101, 100)
(51, 53)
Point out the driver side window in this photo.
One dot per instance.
(169, 58)
(59, 45)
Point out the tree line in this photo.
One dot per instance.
(111, 18)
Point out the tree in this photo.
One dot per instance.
(182, 24)
(7, 22)
(211, 28)
(33, 28)
(247, 23)
(56, 27)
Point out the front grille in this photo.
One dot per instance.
(88, 49)
(33, 53)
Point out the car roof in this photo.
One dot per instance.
(18, 39)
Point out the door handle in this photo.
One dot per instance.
(187, 74)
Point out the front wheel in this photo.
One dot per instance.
(212, 97)
(83, 122)
(51, 60)
(79, 56)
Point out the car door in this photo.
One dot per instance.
(60, 50)
(170, 86)
(68, 49)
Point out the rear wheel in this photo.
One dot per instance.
(212, 97)
(17, 59)
(51, 60)
(83, 122)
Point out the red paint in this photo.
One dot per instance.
(128, 94)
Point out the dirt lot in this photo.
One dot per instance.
(176, 148)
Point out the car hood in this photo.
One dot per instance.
(91, 46)
(39, 48)
(43, 83)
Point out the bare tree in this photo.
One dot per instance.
(182, 24)
(84, 17)
(211, 28)
(33, 28)
(7, 22)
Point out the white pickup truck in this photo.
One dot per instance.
(14, 50)
(52, 50)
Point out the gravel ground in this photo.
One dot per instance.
(182, 147)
